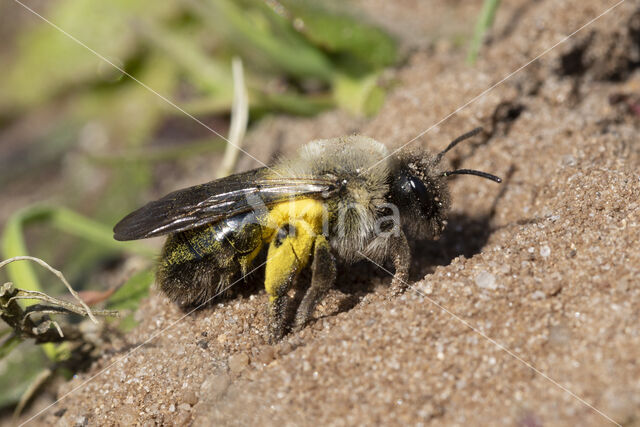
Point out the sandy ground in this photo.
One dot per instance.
(524, 313)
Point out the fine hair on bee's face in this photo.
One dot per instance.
(344, 198)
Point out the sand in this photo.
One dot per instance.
(524, 313)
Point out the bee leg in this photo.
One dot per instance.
(288, 254)
(323, 270)
(399, 247)
(280, 272)
(277, 312)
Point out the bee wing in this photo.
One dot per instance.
(223, 198)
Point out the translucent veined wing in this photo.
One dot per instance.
(216, 200)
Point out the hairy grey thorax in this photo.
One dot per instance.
(359, 165)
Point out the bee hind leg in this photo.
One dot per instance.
(288, 254)
(277, 312)
(323, 270)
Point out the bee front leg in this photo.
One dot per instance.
(399, 248)
(323, 270)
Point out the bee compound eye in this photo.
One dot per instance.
(425, 198)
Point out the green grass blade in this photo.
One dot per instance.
(206, 71)
(484, 22)
(75, 224)
(63, 219)
(13, 244)
(259, 34)
(136, 288)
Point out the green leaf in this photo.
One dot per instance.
(360, 96)
(20, 369)
(8, 344)
(128, 297)
(262, 37)
(339, 33)
(48, 60)
(207, 72)
(293, 103)
(130, 294)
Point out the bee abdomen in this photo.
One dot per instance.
(200, 264)
(195, 282)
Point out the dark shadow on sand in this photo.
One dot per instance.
(465, 235)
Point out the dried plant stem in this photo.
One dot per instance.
(239, 120)
(62, 279)
(64, 305)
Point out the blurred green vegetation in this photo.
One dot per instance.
(483, 24)
(73, 124)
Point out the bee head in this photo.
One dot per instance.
(420, 192)
(419, 189)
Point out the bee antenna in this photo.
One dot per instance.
(457, 141)
(473, 172)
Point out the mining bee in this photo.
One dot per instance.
(343, 198)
